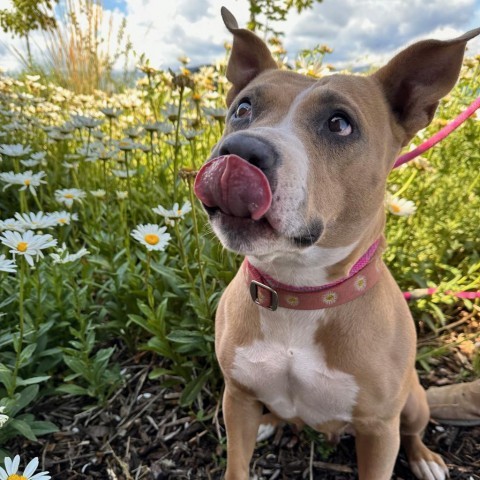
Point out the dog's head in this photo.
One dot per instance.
(304, 162)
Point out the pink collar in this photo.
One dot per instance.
(270, 294)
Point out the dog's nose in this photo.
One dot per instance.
(254, 150)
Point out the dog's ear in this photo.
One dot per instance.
(418, 77)
(250, 56)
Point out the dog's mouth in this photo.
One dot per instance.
(235, 187)
(238, 198)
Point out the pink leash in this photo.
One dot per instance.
(406, 157)
(439, 136)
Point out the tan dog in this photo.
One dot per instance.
(297, 185)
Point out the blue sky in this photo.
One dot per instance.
(112, 4)
(361, 32)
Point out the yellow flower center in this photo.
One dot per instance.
(22, 246)
(68, 195)
(396, 208)
(151, 238)
(179, 212)
(15, 476)
(62, 220)
(27, 182)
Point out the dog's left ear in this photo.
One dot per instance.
(250, 56)
(418, 77)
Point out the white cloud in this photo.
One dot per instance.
(359, 31)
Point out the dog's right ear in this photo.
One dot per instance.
(250, 56)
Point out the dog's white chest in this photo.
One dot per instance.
(287, 371)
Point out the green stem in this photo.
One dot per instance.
(23, 202)
(150, 297)
(198, 250)
(182, 251)
(177, 146)
(37, 201)
(39, 316)
(407, 183)
(21, 318)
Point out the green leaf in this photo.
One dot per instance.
(23, 428)
(25, 397)
(158, 372)
(27, 353)
(77, 365)
(159, 346)
(43, 428)
(192, 389)
(72, 389)
(32, 380)
(6, 377)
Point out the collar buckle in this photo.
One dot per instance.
(259, 298)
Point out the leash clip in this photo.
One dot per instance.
(254, 285)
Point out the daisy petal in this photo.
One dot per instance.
(41, 476)
(31, 467)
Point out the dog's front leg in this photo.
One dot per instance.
(242, 414)
(377, 449)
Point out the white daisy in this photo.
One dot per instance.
(174, 213)
(62, 255)
(64, 217)
(27, 179)
(400, 206)
(11, 224)
(39, 156)
(8, 266)
(30, 163)
(98, 193)
(3, 418)
(16, 150)
(123, 173)
(69, 195)
(35, 221)
(27, 244)
(11, 470)
(122, 195)
(71, 166)
(87, 122)
(125, 145)
(111, 112)
(151, 236)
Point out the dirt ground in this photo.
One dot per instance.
(143, 434)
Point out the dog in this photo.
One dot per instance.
(313, 326)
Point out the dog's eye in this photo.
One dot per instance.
(243, 110)
(340, 125)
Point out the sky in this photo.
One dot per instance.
(361, 32)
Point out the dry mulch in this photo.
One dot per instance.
(143, 434)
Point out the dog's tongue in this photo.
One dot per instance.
(235, 186)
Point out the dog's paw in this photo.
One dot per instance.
(429, 469)
(265, 431)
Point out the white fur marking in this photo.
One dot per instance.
(265, 431)
(287, 371)
(303, 268)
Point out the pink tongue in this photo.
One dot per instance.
(235, 186)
